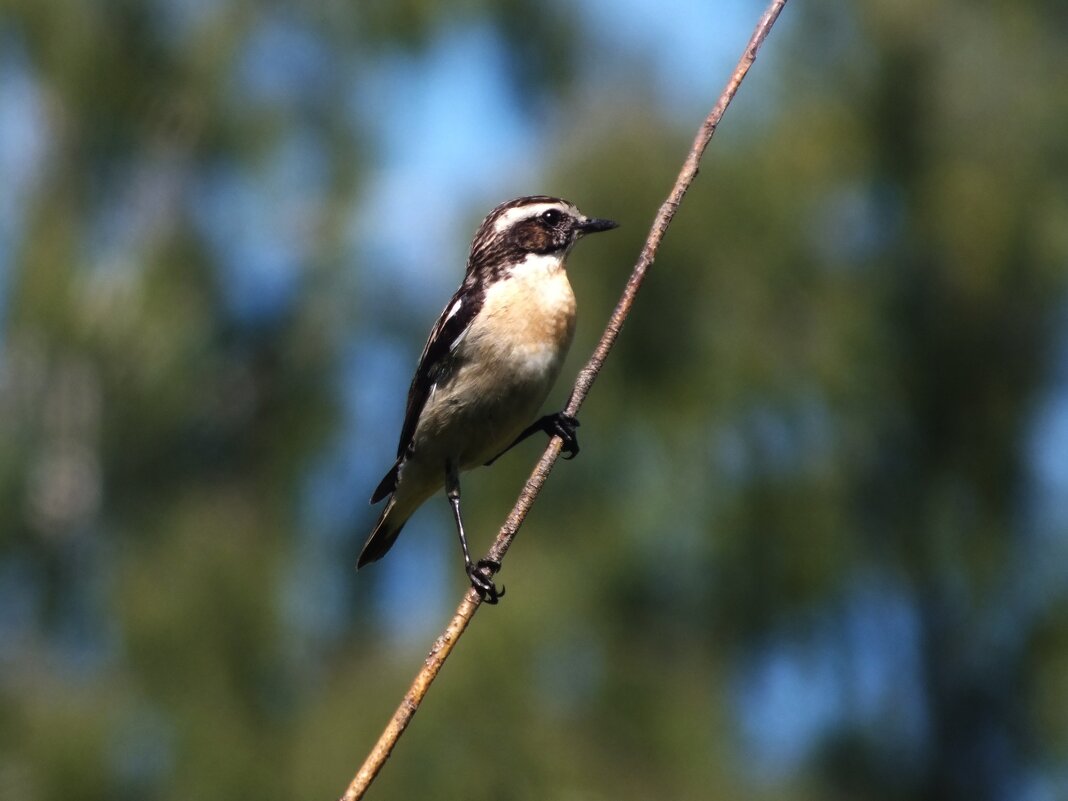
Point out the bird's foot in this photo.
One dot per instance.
(480, 575)
(563, 425)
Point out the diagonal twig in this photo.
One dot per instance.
(444, 644)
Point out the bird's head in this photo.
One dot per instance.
(537, 224)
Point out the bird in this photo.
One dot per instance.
(487, 367)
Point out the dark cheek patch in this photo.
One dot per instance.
(532, 236)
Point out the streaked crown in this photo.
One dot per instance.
(535, 224)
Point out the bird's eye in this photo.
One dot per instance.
(551, 217)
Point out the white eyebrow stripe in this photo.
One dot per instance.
(512, 216)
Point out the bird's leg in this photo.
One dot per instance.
(560, 425)
(476, 571)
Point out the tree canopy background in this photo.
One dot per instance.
(816, 544)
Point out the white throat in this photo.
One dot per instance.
(536, 265)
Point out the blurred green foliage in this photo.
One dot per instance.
(811, 454)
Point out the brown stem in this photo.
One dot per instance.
(444, 644)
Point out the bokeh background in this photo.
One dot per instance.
(816, 544)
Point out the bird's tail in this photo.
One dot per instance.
(384, 534)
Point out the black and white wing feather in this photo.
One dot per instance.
(446, 335)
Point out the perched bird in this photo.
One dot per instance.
(488, 366)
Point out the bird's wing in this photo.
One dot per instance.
(445, 336)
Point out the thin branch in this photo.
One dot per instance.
(444, 644)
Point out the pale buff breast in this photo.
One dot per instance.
(507, 363)
(530, 316)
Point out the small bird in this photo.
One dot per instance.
(487, 367)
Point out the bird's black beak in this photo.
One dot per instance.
(592, 225)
